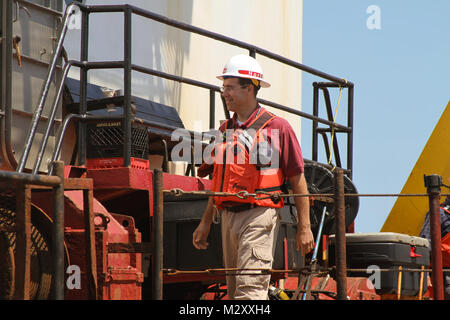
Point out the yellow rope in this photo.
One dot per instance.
(332, 128)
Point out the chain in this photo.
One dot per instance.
(304, 271)
(245, 271)
(276, 196)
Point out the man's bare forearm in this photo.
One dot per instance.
(304, 237)
(209, 212)
(299, 186)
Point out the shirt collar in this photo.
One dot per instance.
(250, 119)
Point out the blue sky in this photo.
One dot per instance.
(401, 75)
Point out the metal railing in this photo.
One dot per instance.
(23, 179)
(23, 184)
(127, 65)
(127, 119)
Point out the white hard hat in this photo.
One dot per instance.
(243, 66)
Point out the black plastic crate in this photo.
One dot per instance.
(106, 140)
(386, 250)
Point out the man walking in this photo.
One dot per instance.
(259, 152)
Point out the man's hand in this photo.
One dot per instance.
(305, 239)
(200, 235)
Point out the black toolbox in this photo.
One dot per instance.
(376, 252)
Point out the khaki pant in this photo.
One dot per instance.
(248, 241)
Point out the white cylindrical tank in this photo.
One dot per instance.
(275, 26)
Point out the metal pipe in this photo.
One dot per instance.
(212, 109)
(127, 9)
(67, 67)
(433, 184)
(350, 97)
(23, 243)
(45, 88)
(225, 108)
(6, 94)
(61, 134)
(303, 114)
(84, 56)
(216, 36)
(26, 178)
(340, 247)
(58, 233)
(113, 64)
(165, 163)
(333, 85)
(157, 238)
(89, 235)
(169, 76)
(252, 49)
(319, 233)
(315, 145)
(216, 88)
(126, 122)
(51, 119)
(307, 293)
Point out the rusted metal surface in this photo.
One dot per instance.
(23, 184)
(78, 184)
(433, 184)
(58, 233)
(23, 243)
(157, 239)
(25, 178)
(89, 234)
(436, 254)
(341, 255)
(126, 247)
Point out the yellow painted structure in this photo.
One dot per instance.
(408, 213)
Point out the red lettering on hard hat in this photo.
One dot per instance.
(251, 73)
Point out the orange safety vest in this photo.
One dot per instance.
(235, 168)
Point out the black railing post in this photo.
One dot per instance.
(126, 123)
(212, 108)
(350, 133)
(84, 56)
(315, 124)
(157, 235)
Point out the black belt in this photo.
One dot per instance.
(242, 207)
